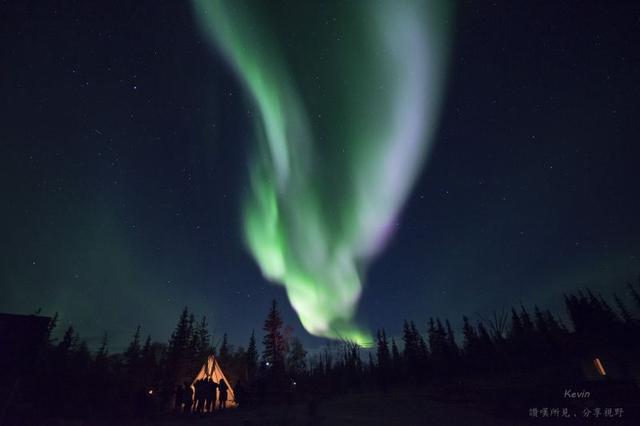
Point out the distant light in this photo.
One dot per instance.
(599, 367)
(267, 363)
(150, 392)
(294, 383)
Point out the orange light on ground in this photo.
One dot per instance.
(599, 367)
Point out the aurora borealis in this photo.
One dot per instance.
(342, 132)
(134, 152)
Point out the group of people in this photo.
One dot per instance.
(203, 399)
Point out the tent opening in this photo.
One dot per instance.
(212, 370)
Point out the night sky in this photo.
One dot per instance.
(124, 147)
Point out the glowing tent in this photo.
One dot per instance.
(211, 369)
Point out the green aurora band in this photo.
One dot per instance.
(347, 97)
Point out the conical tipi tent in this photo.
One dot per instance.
(211, 369)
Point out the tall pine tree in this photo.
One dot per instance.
(133, 353)
(273, 354)
(251, 358)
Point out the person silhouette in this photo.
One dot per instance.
(196, 395)
(222, 397)
(178, 397)
(238, 393)
(201, 395)
(187, 398)
(210, 395)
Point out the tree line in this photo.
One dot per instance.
(70, 380)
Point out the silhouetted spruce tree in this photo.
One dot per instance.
(410, 352)
(528, 329)
(592, 323)
(202, 340)
(238, 366)
(634, 294)
(224, 354)
(470, 341)
(516, 330)
(412, 356)
(571, 304)
(423, 360)
(396, 360)
(633, 324)
(63, 377)
(50, 327)
(593, 319)
(193, 344)
(148, 363)
(133, 353)
(252, 358)
(68, 342)
(371, 366)
(607, 315)
(296, 358)
(100, 377)
(626, 316)
(452, 349)
(384, 360)
(383, 349)
(180, 337)
(422, 357)
(541, 343)
(557, 338)
(488, 357)
(78, 373)
(541, 323)
(176, 363)
(438, 347)
(515, 342)
(532, 342)
(100, 360)
(327, 359)
(82, 358)
(146, 348)
(442, 334)
(554, 326)
(352, 365)
(434, 345)
(498, 326)
(470, 346)
(273, 341)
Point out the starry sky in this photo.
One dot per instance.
(123, 157)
